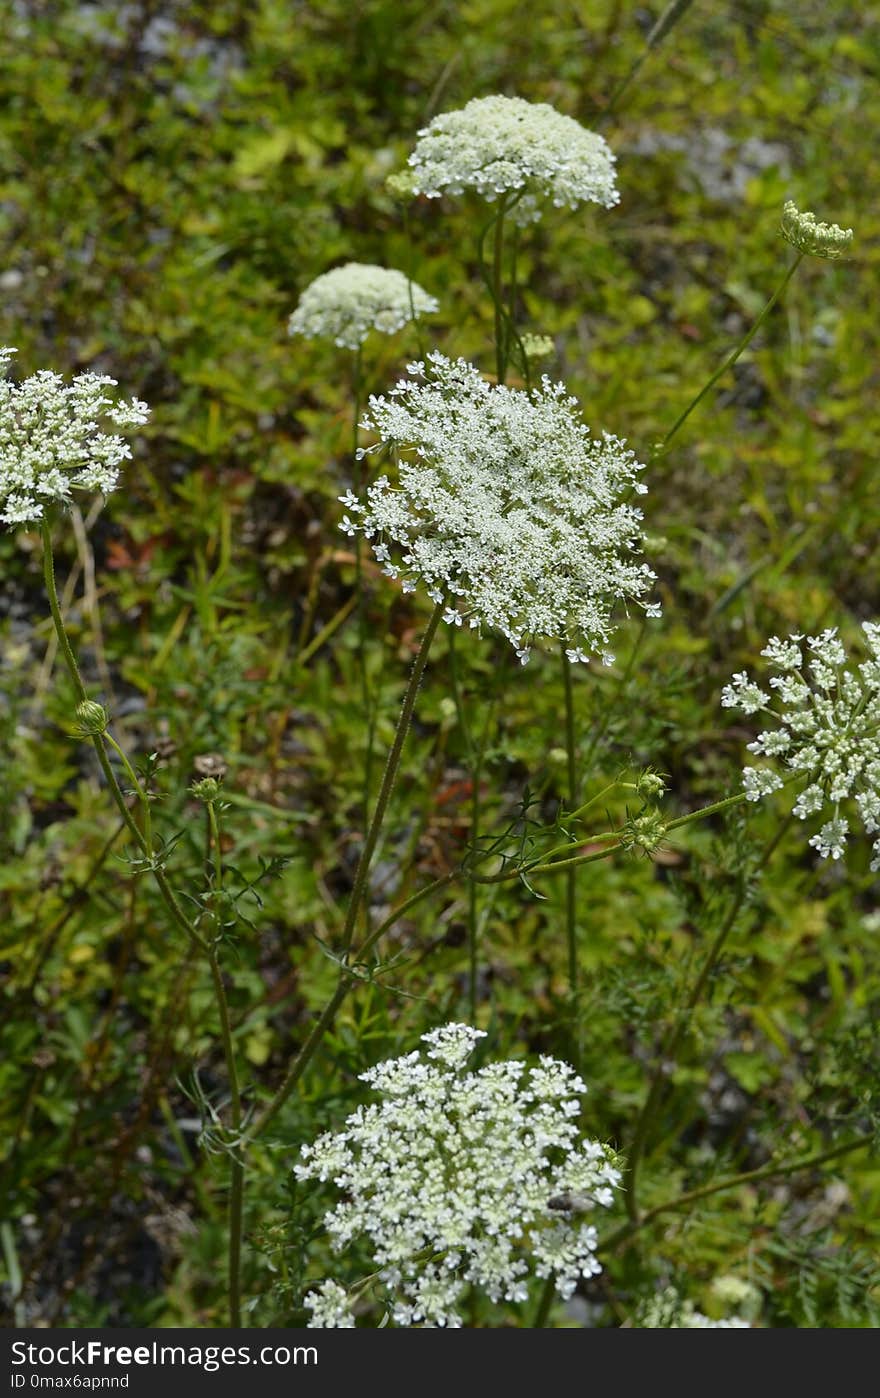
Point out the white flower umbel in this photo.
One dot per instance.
(504, 506)
(827, 726)
(669, 1311)
(460, 1179)
(330, 1308)
(346, 304)
(51, 442)
(807, 234)
(507, 146)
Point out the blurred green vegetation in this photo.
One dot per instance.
(171, 177)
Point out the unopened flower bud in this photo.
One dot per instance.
(91, 718)
(650, 784)
(804, 232)
(644, 832)
(537, 347)
(207, 790)
(400, 185)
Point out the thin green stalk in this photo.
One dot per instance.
(545, 1301)
(345, 982)
(628, 1230)
(137, 789)
(732, 357)
(360, 475)
(143, 840)
(498, 293)
(389, 777)
(571, 798)
(670, 17)
(670, 1048)
(474, 762)
(236, 1167)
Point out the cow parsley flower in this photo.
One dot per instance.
(805, 233)
(346, 304)
(330, 1308)
(507, 146)
(460, 1179)
(504, 507)
(51, 441)
(669, 1311)
(828, 726)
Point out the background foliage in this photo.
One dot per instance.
(171, 177)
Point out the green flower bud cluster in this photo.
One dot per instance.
(804, 232)
(644, 832)
(207, 790)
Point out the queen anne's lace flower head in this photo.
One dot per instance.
(505, 507)
(805, 232)
(330, 1308)
(458, 1179)
(669, 1311)
(507, 146)
(828, 727)
(346, 304)
(51, 441)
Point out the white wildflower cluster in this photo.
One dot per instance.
(51, 441)
(537, 347)
(504, 506)
(805, 232)
(330, 1307)
(464, 1179)
(827, 726)
(346, 304)
(669, 1311)
(507, 146)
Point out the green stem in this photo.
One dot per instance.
(732, 357)
(137, 790)
(498, 293)
(143, 840)
(389, 777)
(545, 1301)
(670, 16)
(345, 982)
(764, 1172)
(670, 1048)
(571, 798)
(236, 1166)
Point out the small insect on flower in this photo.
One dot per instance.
(570, 1202)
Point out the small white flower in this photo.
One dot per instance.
(329, 1307)
(507, 146)
(450, 1177)
(344, 305)
(51, 442)
(348, 526)
(504, 500)
(808, 235)
(828, 728)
